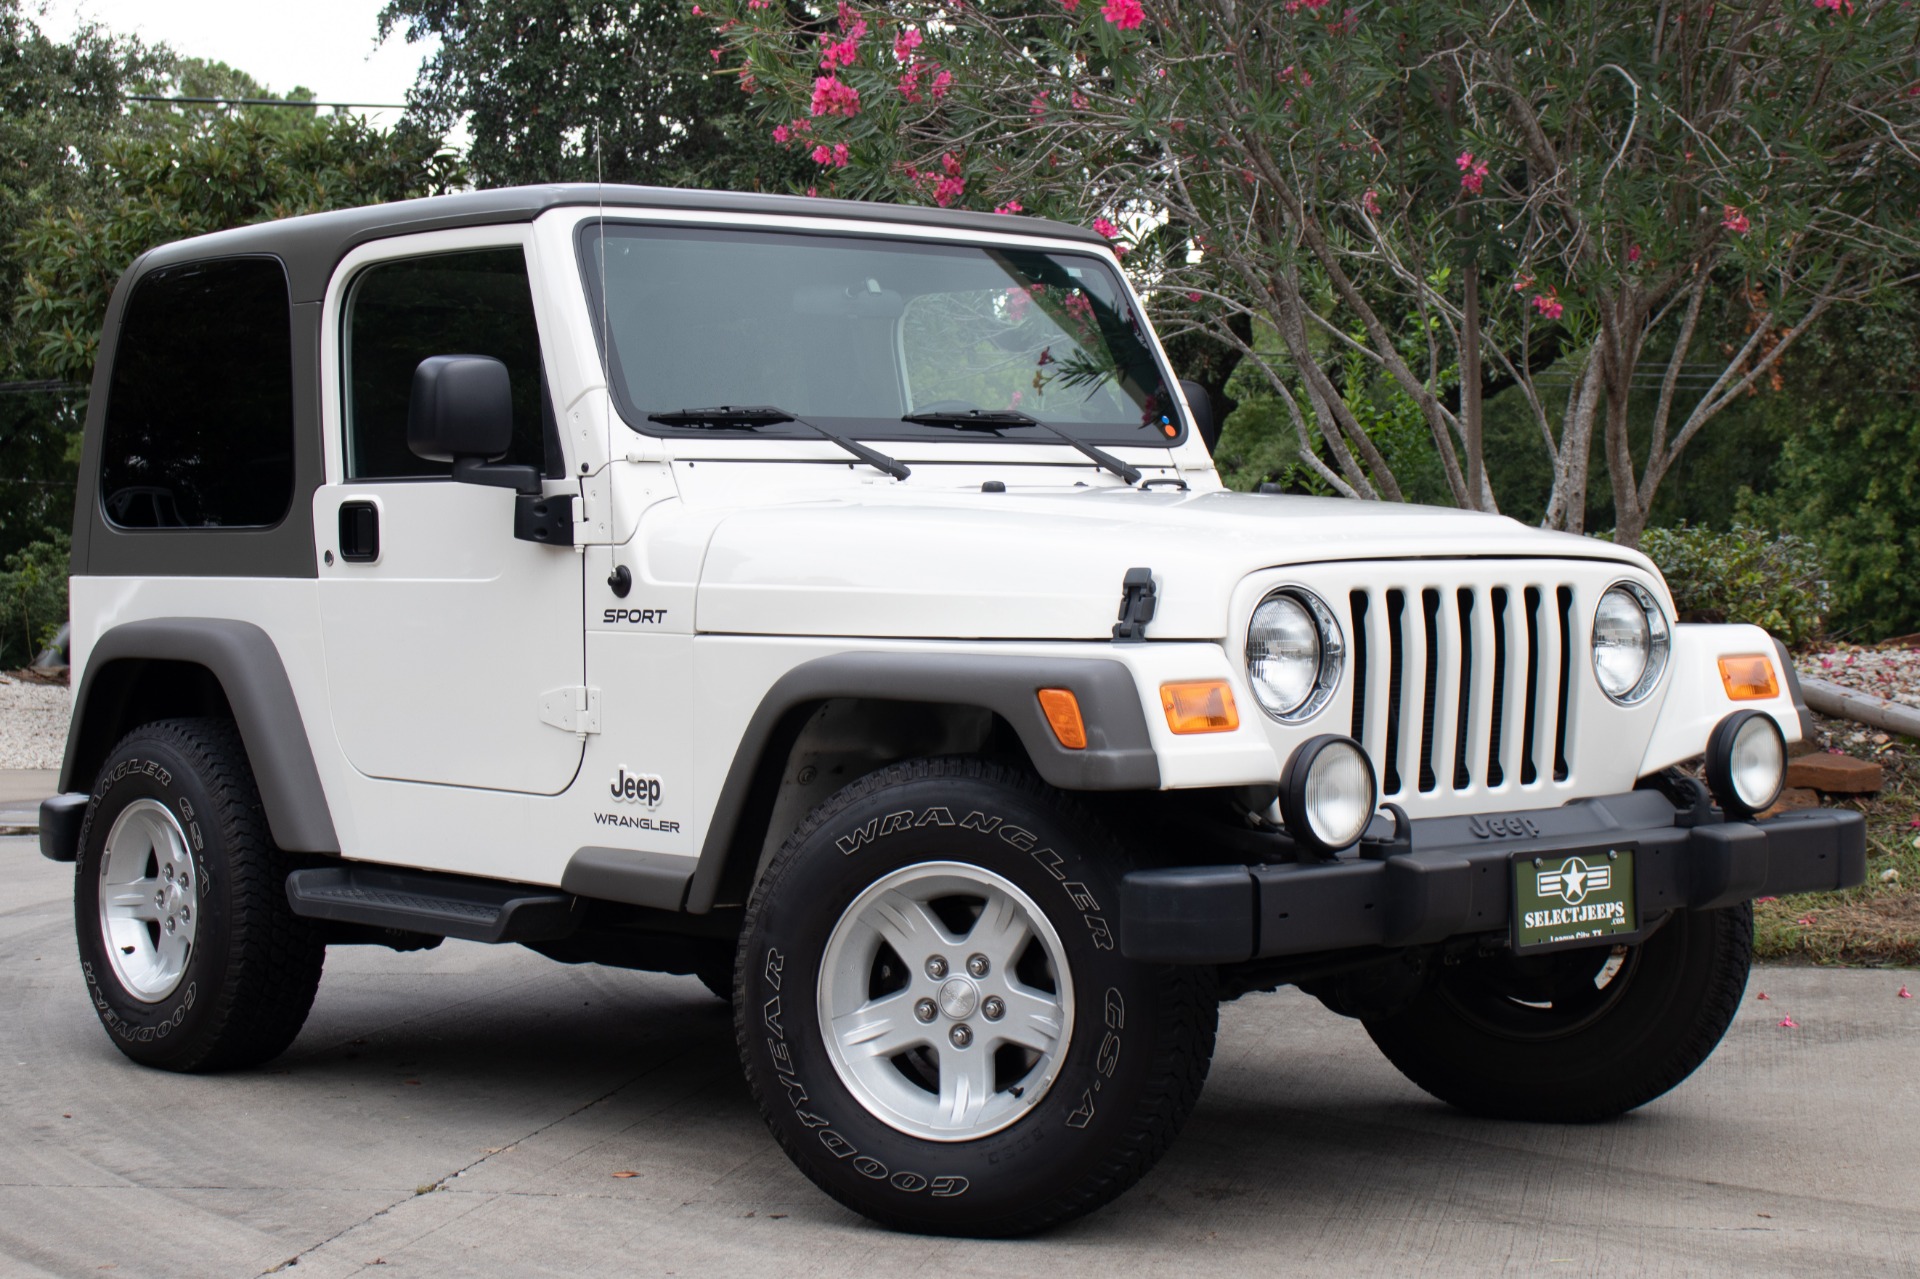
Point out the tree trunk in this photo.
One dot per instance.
(1470, 422)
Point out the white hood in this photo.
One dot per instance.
(1048, 565)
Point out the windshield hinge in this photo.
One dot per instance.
(1138, 596)
(572, 710)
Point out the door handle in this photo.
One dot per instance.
(359, 532)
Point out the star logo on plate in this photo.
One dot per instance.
(1574, 880)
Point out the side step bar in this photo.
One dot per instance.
(439, 905)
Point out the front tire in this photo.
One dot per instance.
(935, 1018)
(193, 959)
(1579, 1035)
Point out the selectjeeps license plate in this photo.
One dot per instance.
(1582, 897)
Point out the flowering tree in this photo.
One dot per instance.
(1458, 195)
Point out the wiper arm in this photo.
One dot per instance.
(728, 415)
(993, 419)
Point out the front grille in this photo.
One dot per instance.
(1462, 688)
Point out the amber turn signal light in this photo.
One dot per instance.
(1749, 677)
(1063, 716)
(1199, 706)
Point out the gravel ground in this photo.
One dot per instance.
(33, 723)
(1893, 673)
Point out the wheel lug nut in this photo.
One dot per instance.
(186, 913)
(170, 923)
(936, 967)
(160, 898)
(167, 871)
(977, 965)
(993, 1008)
(925, 1010)
(960, 1036)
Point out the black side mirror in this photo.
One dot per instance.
(1201, 402)
(462, 412)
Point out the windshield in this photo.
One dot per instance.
(855, 332)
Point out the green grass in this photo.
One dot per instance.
(1878, 923)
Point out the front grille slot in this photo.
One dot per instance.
(1477, 687)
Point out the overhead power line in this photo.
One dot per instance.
(261, 102)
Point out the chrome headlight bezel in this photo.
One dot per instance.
(1331, 652)
(1659, 643)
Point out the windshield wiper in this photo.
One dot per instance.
(993, 419)
(752, 415)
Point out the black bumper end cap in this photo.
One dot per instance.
(1188, 915)
(60, 821)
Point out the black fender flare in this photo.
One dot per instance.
(1119, 754)
(243, 658)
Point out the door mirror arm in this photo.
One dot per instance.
(505, 475)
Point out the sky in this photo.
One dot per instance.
(326, 45)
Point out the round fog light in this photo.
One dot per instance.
(1327, 793)
(1746, 762)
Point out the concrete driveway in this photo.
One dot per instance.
(464, 1111)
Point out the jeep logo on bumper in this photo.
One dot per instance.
(1502, 827)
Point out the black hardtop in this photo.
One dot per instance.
(313, 244)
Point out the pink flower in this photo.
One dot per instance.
(909, 85)
(1124, 14)
(1735, 220)
(1017, 302)
(757, 4)
(1905, 993)
(1633, 253)
(1371, 202)
(837, 155)
(941, 83)
(834, 96)
(1038, 106)
(953, 185)
(1805, 921)
(1011, 206)
(905, 43)
(1103, 227)
(1832, 6)
(781, 133)
(1763, 995)
(1766, 899)
(1079, 101)
(714, 54)
(1069, 5)
(696, 10)
(1079, 308)
(1789, 1022)
(1192, 295)
(1548, 305)
(1472, 173)
(838, 53)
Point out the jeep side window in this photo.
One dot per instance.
(401, 312)
(199, 422)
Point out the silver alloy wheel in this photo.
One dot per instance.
(945, 1033)
(149, 900)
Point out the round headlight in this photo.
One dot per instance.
(1327, 793)
(1294, 652)
(1630, 641)
(1746, 762)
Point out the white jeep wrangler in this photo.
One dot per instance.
(837, 602)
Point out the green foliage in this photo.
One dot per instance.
(537, 80)
(1745, 575)
(1849, 482)
(33, 598)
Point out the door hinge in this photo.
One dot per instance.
(572, 710)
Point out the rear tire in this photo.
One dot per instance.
(193, 959)
(1579, 1035)
(934, 1015)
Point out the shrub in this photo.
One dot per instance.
(1744, 575)
(33, 598)
(1849, 480)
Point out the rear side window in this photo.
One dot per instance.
(401, 312)
(199, 424)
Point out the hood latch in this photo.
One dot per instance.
(1138, 596)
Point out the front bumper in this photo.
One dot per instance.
(1454, 879)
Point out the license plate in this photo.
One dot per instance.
(1582, 897)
